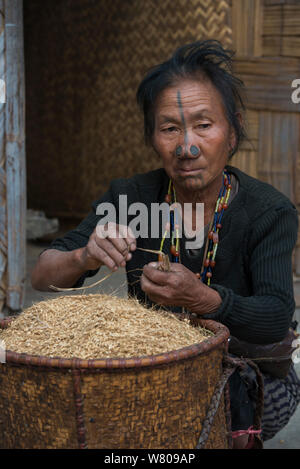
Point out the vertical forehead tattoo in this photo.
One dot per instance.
(194, 150)
(179, 148)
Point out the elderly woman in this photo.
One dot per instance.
(242, 275)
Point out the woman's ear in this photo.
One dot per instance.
(233, 137)
(240, 119)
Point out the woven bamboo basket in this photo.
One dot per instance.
(158, 401)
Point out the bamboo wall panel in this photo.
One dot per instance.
(278, 150)
(247, 23)
(268, 72)
(280, 2)
(246, 158)
(281, 29)
(246, 161)
(268, 82)
(84, 61)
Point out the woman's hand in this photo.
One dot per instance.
(108, 245)
(179, 287)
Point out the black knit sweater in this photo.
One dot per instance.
(253, 272)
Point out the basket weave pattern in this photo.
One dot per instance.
(151, 402)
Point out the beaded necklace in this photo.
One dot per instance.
(212, 241)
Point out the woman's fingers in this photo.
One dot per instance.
(155, 291)
(96, 253)
(128, 236)
(117, 253)
(170, 288)
(115, 243)
(153, 275)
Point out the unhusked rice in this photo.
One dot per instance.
(97, 326)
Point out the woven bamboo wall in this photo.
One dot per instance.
(262, 30)
(84, 61)
(281, 34)
(268, 62)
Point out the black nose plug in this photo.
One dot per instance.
(193, 149)
(178, 150)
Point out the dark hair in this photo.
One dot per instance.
(205, 57)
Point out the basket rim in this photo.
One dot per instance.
(220, 338)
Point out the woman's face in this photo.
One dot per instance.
(192, 134)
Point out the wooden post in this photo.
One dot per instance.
(3, 231)
(15, 153)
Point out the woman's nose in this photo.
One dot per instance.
(187, 151)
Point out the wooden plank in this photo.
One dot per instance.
(297, 172)
(291, 20)
(247, 21)
(286, 46)
(272, 46)
(246, 161)
(282, 20)
(258, 28)
(270, 67)
(277, 152)
(273, 20)
(268, 82)
(278, 155)
(273, 2)
(15, 153)
(291, 47)
(297, 195)
(281, 2)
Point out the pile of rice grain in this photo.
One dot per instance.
(97, 326)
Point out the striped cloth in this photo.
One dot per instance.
(281, 398)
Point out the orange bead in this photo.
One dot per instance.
(168, 198)
(219, 226)
(210, 235)
(208, 274)
(173, 250)
(212, 263)
(225, 206)
(206, 263)
(198, 275)
(229, 186)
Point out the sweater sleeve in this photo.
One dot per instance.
(79, 236)
(265, 316)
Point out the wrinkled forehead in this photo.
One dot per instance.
(189, 95)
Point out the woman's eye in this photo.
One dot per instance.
(203, 126)
(169, 129)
